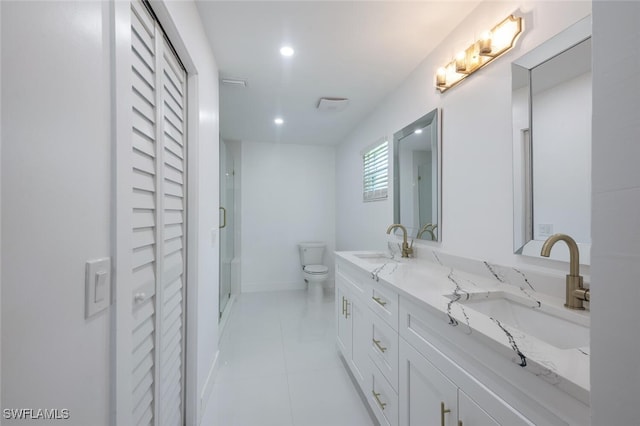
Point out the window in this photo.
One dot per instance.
(376, 172)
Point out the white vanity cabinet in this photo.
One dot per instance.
(353, 325)
(490, 389)
(367, 336)
(428, 397)
(416, 367)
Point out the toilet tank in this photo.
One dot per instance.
(311, 253)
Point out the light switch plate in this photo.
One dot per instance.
(97, 286)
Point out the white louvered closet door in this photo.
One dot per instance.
(158, 224)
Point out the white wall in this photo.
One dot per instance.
(56, 177)
(477, 200)
(288, 196)
(615, 376)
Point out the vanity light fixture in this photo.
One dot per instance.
(491, 45)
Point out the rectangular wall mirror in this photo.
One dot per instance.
(416, 183)
(551, 105)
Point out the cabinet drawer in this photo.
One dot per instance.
(384, 302)
(382, 399)
(384, 349)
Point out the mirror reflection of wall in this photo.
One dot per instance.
(561, 155)
(417, 177)
(551, 105)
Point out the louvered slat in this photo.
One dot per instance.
(172, 64)
(173, 203)
(173, 175)
(173, 217)
(142, 18)
(143, 218)
(174, 84)
(141, 86)
(174, 178)
(143, 125)
(173, 119)
(173, 287)
(173, 246)
(144, 210)
(174, 147)
(176, 109)
(173, 160)
(143, 143)
(144, 199)
(145, 276)
(143, 163)
(158, 214)
(141, 50)
(172, 231)
(173, 267)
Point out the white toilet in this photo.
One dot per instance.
(315, 273)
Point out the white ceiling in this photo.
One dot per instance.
(355, 49)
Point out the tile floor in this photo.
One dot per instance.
(279, 365)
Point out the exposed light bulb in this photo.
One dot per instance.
(441, 76)
(278, 121)
(461, 63)
(485, 43)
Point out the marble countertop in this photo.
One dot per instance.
(442, 285)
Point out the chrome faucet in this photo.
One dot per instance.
(407, 251)
(576, 293)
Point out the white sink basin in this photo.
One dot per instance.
(375, 258)
(557, 326)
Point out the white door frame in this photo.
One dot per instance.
(121, 409)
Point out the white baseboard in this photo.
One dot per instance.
(208, 386)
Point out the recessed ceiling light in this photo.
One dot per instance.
(418, 131)
(287, 51)
(278, 121)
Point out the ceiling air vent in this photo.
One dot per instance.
(332, 104)
(234, 82)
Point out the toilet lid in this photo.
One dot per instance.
(316, 269)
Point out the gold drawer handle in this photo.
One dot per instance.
(377, 397)
(380, 301)
(377, 343)
(443, 411)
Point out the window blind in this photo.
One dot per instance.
(376, 172)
